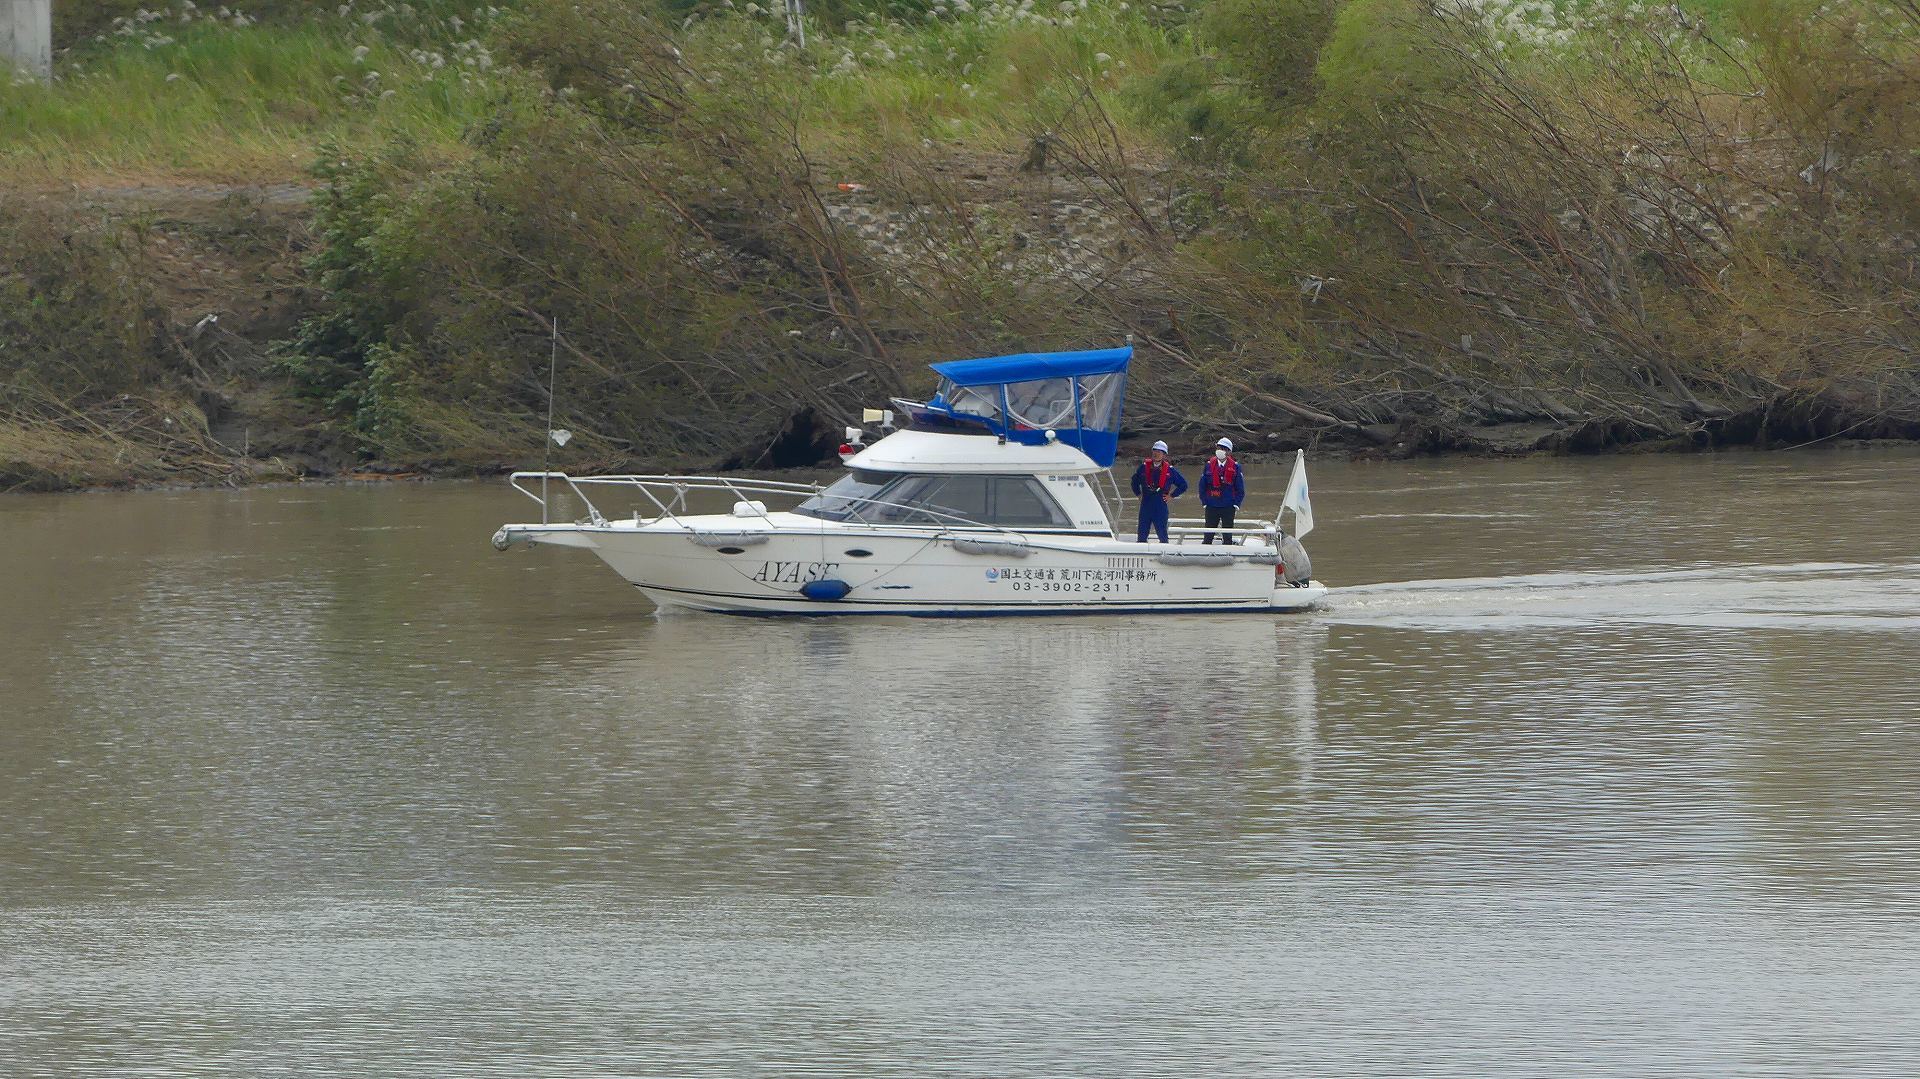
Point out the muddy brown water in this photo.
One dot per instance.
(1609, 766)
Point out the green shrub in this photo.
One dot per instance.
(77, 320)
(1272, 45)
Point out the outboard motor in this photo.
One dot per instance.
(1293, 559)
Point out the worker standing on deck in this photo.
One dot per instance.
(1157, 483)
(1222, 489)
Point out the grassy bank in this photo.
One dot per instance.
(184, 94)
(1482, 225)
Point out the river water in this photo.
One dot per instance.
(1610, 766)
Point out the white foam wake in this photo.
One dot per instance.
(1876, 597)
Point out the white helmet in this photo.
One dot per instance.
(1225, 444)
(1161, 446)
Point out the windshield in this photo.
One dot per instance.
(981, 401)
(845, 495)
(947, 500)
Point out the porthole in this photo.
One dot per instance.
(858, 552)
(732, 550)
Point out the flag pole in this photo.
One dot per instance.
(1298, 499)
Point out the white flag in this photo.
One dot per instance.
(1297, 499)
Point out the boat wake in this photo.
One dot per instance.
(1833, 596)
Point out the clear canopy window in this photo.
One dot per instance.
(1048, 403)
(1042, 404)
(981, 401)
(1076, 395)
(1100, 399)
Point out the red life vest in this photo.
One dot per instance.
(1218, 477)
(1166, 475)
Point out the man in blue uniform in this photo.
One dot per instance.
(1157, 483)
(1222, 489)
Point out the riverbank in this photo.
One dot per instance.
(225, 272)
(36, 462)
(729, 243)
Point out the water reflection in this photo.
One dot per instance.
(1608, 762)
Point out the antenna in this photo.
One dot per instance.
(546, 444)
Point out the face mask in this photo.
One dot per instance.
(1219, 455)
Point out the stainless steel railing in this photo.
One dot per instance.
(668, 494)
(675, 488)
(670, 499)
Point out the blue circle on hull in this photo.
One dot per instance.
(831, 589)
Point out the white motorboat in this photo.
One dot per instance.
(993, 501)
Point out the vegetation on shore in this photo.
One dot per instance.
(183, 93)
(1407, 224)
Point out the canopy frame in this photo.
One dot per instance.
(1101, 443)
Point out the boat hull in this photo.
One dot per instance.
(732, 567)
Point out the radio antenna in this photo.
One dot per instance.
(546, 444)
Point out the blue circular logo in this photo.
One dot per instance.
(993, 575)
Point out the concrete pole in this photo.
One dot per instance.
(26, 37)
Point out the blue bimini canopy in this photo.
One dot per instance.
(1027, 366)
(1076, 395)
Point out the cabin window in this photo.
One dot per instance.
(1023, 502)
(940, 501)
